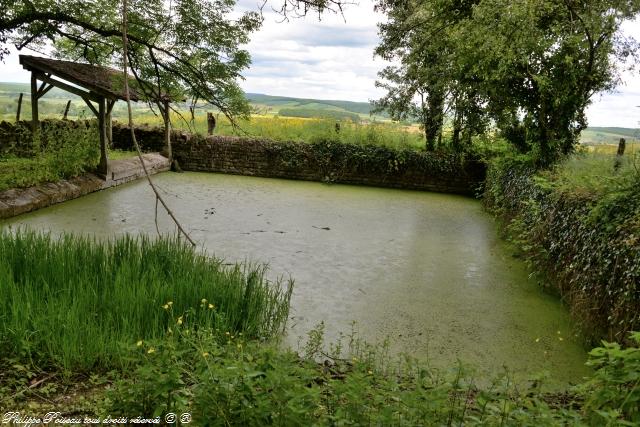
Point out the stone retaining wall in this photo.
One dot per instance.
(324, 160)
(327, 161)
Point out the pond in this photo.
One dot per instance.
(425, 270)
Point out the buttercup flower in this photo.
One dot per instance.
(211, 306)
(151, 350)
(179, 322)
(139, 343)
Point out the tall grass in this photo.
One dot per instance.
(392, 135)
(72, 302)
(593, 172)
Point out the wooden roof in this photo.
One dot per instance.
(102, 81)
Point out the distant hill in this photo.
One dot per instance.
(313, 104)
(264, 104)
(300, 107)
(608, 135)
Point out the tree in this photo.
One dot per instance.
(427, 83)
(532, 67)
(541, 63)
(182, 46)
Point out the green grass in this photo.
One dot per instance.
(71, 303)
(386, 134)
(121, 154)
(61, 152)
(593, 173)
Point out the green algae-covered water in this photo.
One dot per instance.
(425, 270)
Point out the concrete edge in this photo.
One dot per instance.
(17, 201)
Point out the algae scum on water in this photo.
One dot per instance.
(427, 271)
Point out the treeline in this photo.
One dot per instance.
(320, 114)
(527, 70)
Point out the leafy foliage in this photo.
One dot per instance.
(580, 227)
(224, 379)
(529, 67)
(63, 150)
(164, 53)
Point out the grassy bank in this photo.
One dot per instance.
(578, 226)
(71, 303)
(134, 327)
(61, 150)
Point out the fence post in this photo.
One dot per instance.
(621, 146)
(66, 110)
(211, 123)
(19, 108)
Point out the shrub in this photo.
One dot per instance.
(61, 150)
(577, 224)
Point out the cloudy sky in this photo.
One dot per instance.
(333, 59)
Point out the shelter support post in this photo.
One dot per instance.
(167, 131)
(34, 103)
(103, 166)
(109, 124)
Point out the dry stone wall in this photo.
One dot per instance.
(326, 160)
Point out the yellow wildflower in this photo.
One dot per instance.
(179, 322)
(537, 339)
(204, 301)
(151, 350)
(205, 354)
(211, 306)
(166, 306)
(370, 372)
(139, 343)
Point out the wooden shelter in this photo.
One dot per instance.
(94, 84)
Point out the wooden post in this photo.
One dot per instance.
(66, 110)
(211, 123)
(109, 123)
(167, 130)
(19, 108)
(34, 103)
(621, 146)
(103, 167)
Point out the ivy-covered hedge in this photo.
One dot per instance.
(586, 244)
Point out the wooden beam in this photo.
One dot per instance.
(34, 103)
(43, 68)
(42, 92)
(76, 91)
(109, 124)
(42, 86)
(90, 105)
(110, 104)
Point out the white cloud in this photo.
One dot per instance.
(333, 59)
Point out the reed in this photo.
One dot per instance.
(73, 303)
